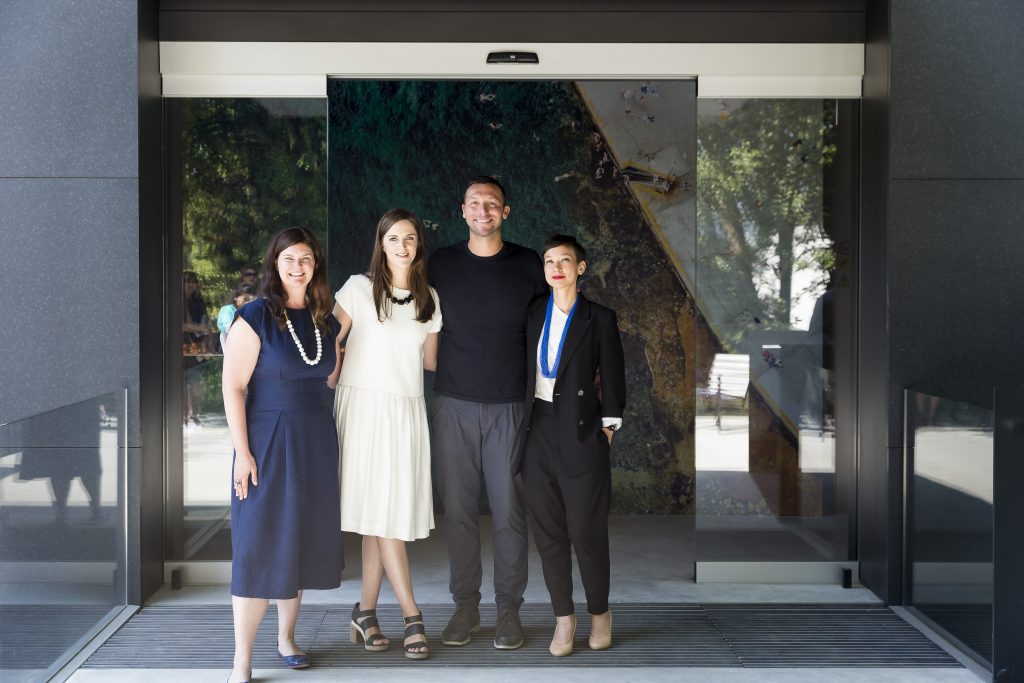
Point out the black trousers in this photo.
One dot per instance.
(566, 512)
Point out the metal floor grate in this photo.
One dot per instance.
(35, 636)
(650, 635)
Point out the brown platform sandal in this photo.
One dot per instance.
(357, 629)
(414, 626)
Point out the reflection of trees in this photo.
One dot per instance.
(251, 168)
(759, 164)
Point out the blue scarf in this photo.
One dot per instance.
(545, 369)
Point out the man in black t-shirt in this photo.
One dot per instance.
(484, 285)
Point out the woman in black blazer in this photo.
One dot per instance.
(565, 438)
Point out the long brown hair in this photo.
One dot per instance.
(380, 274)
(318, 292)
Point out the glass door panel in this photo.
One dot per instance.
(240, 170)
(63, 547)
(775, 282)
(950, 523)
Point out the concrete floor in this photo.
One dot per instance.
(561, 675)
(651, 560)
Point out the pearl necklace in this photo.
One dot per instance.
(298, 344)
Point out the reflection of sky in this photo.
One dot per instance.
(807, 284)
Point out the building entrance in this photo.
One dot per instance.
(720, 230)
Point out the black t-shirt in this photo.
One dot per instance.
(482, 353)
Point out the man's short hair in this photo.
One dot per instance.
(486, 180)
(565, 241)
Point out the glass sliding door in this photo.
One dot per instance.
(239, 170)
(775, 280)
(721, 231)
(610, 162)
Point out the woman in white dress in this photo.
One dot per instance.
(392, 318)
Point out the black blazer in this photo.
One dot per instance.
(592, 346)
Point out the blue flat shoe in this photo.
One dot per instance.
(295, 661)
(246, 681)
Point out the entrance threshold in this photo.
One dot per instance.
(774, 572)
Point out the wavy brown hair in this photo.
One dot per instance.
(318, 292)
(380, 274)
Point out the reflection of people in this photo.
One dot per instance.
(226, 314)
(926, 407)
(249, 278)
(280, 353)
(195, 341)
(61, 465)
(394, 319)
(485, 285)
(811, 369)
(194, 324)
(566, 433)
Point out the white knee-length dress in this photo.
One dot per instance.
(382, 419)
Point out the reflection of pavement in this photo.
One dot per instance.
(37, 491)
(958, 458)
(207, 458)
(817, 451)
(728, 449)
(723, 450)
(653, 132)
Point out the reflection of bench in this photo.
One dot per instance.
(729, 378)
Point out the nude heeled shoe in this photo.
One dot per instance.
(601, 641)
(563, 649)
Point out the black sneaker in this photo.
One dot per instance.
(508, 630)
(461, 627)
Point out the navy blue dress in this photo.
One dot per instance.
(286, 536)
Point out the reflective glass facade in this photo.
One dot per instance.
(775, 283)
(63, 554)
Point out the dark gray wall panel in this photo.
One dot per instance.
(956, 286)
(957, 100)
(148, 494)
(70, 308)
(68, 85)
(873, 464)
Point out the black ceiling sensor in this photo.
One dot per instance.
(513, 58)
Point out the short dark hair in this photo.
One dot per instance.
(565, 241)
(487, 180)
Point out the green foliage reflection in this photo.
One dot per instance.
(250, 168)
(759, 211)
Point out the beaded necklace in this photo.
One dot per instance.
(298, 344)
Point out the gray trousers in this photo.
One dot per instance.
(469, 442)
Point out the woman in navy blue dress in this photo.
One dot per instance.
(281, 355)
